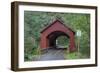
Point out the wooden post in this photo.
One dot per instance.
(78, 43)
(33, 41)
(78, 49)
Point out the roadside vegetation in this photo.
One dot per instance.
(34, 22)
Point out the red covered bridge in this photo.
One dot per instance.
(55, 30)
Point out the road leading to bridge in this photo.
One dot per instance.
(51, 54)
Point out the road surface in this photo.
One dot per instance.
(51, 54)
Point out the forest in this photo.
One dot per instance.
(35, 22)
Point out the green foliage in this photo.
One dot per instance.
(74, 55)
(34, 22)
(35, 51)
(63, 41)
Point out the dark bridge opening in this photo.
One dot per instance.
(58, 40)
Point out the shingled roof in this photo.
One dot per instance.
(57, 20)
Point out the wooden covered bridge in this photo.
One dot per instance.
(55, 30)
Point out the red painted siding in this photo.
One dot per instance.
(57, 26)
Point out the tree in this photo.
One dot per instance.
(36, 21)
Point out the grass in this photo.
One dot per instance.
(32, 54)
(74, 55)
